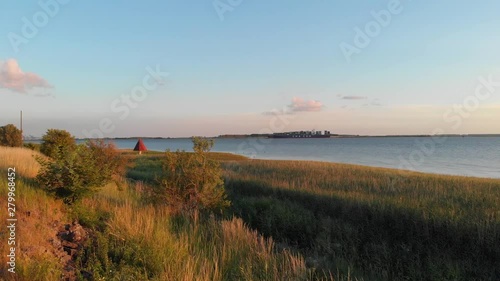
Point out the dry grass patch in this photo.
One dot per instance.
(21, 158)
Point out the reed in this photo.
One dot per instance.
(385, 223)
(152, 245)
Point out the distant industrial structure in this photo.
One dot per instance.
(301, 134)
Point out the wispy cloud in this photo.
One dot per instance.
(13, 78)
(297, 105)
(300, 105)
(354, 97)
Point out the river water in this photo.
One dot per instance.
(467, 156)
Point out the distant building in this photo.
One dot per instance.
(301, 134)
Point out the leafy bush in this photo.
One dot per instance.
(107, 159)
(76, 173)
(191, 181)
(55, 140)
(10, 135)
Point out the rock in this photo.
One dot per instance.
(64, 235)
(73, 252)
(70, 240)
(78, 233)
(67, 244)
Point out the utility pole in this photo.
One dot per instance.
(22, 136)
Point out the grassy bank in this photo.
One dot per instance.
(376, 223)
(132, 239)
(37, 214)
(354, 221)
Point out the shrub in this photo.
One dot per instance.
(77, 173)
(107, 159)
(55, 140)
(10, 135)
(191, 181)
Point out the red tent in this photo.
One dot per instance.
(140, 146)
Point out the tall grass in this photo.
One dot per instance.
(132, 240)
(150, 244)
(147, 168)
(20, 158)
(389, 224)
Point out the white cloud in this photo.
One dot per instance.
(13, 78)
(299, 105)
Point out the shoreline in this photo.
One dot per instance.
(235, 137)
(331, 137)
(231, 156)
(387, 169)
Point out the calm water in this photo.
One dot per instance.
(469, 156)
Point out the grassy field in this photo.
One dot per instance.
(357, 222)
(219, 156)
(133, 240)
(383, 224)
(372, 223)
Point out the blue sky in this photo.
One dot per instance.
(228, 69)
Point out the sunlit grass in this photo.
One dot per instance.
(219, 156)
(20, 158)
(38, 216)
(176, 248)
(392, 223)
(460, 199)
(151, 244)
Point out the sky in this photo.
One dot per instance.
(184, 68)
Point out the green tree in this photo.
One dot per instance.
(191, 181)
(55, 140)
(10, 135)
(79, 172)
